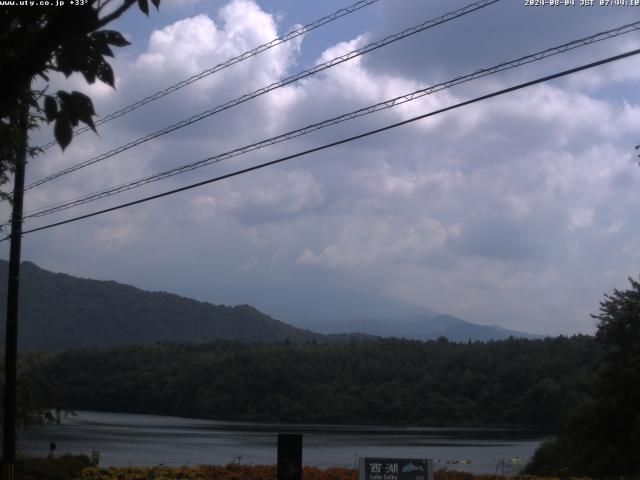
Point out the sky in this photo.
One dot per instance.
(519, 211)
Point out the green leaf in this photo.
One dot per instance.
(105, 73)
(82, 102)
(63, 131)
(102, 48)
(89, 76)
(63, 96)
(83, 108)
(112, 38)
(50, 108)
(72, 54)
(67, 108)
(144, 6)
(90, 66)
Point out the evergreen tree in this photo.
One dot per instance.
(603, 439)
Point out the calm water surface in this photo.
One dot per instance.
(126, 439)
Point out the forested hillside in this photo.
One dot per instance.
(59, 311)
(515, 382)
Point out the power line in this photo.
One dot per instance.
(340, 142)
(40, 212)
(286, 81)
(221, 66)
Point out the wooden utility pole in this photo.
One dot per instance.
(11, 340)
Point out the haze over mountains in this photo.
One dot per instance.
(59, 311)
(419, 327)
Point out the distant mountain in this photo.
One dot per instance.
(59, 311)
(330, 299)
(421, 327)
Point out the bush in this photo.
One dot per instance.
(555, 457)
(64, 467)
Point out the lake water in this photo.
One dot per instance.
(126, 439)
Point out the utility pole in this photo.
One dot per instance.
(11, 340)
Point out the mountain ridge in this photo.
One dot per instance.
(420, 328)
(60, 311)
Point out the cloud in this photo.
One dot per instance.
(364, 241)
(179, 4)
(580, 218)
(519, 210)
(275, 197)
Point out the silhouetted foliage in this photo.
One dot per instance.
(37, 40)
(603, 437)
(37, 401)
(502, 383)
(64, 467)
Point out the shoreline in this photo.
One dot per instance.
(312, 428)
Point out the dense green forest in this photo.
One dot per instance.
(515, 382)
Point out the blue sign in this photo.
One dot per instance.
(395, 469)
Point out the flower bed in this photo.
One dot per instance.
(257, 472)
(211, 472)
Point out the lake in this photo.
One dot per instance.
(127, 439)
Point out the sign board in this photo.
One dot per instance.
(395, 469)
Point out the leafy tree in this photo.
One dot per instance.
(38, 401)
(614, 422)
(603, 439)
(38, 40)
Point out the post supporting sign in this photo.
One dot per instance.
(289, 456)
(395, 469)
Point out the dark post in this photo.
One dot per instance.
(11, 340)
(289, 456)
